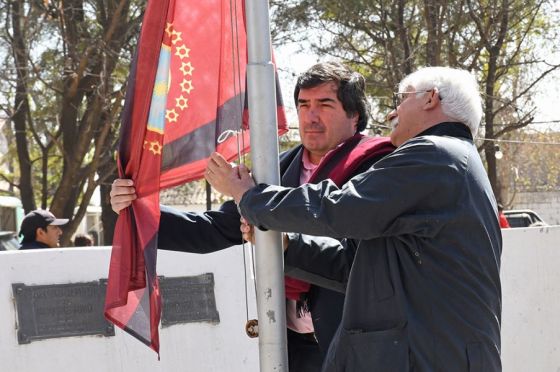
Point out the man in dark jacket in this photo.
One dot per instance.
(41, 229)
(332, 110)
(423, 293)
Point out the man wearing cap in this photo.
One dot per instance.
(41, 229)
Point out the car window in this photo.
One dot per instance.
(519, 221)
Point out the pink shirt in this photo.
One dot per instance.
(308, 167)
(304, 323)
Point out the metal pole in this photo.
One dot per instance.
(208, 196)
(271, 302)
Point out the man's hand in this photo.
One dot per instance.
(285, 242)
(122, 194)
(247, 230)
(226, 179)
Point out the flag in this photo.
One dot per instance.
(185, 98)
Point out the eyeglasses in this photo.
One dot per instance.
(399, 97)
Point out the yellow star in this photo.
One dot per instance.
(171, 116)
(182, 102)
(169, 29)
(182, 51)
(155, 147)
(186, 86)
(186, 68)
(176, 36)
(145, 143)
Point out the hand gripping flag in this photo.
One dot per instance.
(186, 89)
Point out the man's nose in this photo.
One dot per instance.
(391, 115)
(312, 114)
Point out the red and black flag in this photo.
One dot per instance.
(186, 92)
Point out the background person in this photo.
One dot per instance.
(504, 223)
(424, 289)
(41, 229)
(83, 240)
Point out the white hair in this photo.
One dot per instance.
(457, 89)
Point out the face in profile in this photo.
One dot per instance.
(406, 119)
(49, 235)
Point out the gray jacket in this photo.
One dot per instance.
(423, 293)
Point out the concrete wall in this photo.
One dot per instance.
(530, 320)
(531, 299)
(185, 347)
(545, 203)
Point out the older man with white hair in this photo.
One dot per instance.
(423, 291)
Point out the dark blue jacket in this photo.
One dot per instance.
(33, 245)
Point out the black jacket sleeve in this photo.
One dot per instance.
(380, 202)
(204, 232)
(321, 261)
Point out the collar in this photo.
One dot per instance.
(308, 165)
(306, 162)
(452, 129)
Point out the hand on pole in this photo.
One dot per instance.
(227, 179)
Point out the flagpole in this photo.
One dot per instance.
(271, 302)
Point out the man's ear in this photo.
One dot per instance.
(39, 232)
(432, 100)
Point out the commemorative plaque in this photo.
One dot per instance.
(60, 310)
(188, 299)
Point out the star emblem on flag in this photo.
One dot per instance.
(175, 37)
(155, 147)
(186, 86)
(182, 102)
(182, 51)
(171, 116)
(187, 68)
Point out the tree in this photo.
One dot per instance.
(532, 163)
(64, 81)
(386, 40)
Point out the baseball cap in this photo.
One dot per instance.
(39, 218)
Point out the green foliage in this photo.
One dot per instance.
(533, 162)
(66, 69)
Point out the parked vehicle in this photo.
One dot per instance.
(11, 213)
(8, 241)
(524, 218)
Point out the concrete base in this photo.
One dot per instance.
(184, 347)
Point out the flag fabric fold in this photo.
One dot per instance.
(185, 99)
